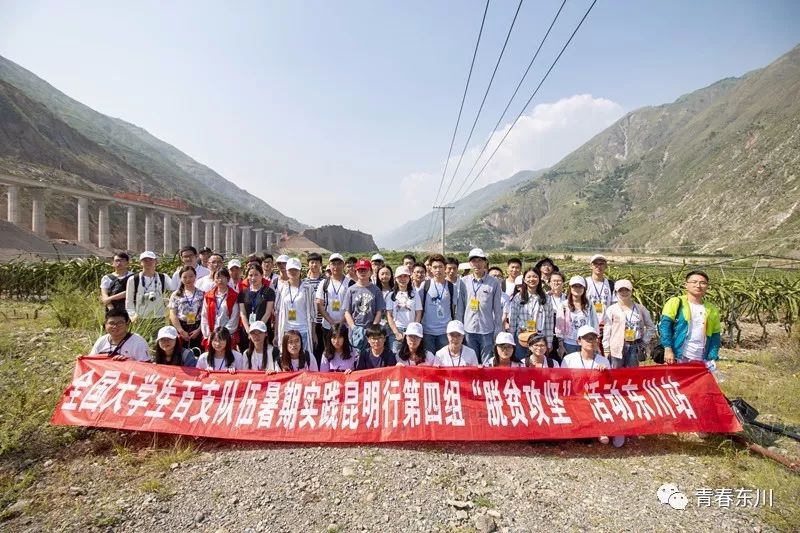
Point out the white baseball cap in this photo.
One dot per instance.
(585, 330)
(402, 270)
(596, 257)
(577, 280)
(335, 257)
(294, 264)
(282, 259)
(377, 257)
(414, 329)
(623, 284)
(476, 252)
(455, 326)
(504, 337)
(258, 326)
(167, 332)
(147, 255)
(234, 263)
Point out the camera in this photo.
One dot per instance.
(151, 296)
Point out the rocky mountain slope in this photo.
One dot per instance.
(46, 133)
(716, 170)
(337, 238)
(417, 233)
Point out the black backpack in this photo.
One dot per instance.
(118, 285)
(450, 288)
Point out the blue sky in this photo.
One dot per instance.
(357, 100)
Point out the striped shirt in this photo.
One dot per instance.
(521, 316)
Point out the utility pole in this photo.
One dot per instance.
(444, 209)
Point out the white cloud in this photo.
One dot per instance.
(540, 139)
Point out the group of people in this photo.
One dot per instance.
(355, 314)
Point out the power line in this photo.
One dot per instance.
(485, 94)
(510, 100)
(544, 78)
(461, 108)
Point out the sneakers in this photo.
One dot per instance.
(618, 441)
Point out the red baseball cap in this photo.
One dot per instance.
(363, 263)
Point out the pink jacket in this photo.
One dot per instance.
(614, 329)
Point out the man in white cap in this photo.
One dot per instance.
(483, 312)
(600, 290)
(456, 353)
(377, 262)
(236, 281)
(330, 295)
(283, 275)
(312, 281)
(144, 294)
(206, 283)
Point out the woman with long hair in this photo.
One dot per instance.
(294, 356)
(384, 279)
(169, 349)
(412, 350)
(220, 354)
(403, 303)
(185, 306)
(574, 313)
(259, 354)
(256, 302)
(529, 311)
(504, 347)
(339, 356)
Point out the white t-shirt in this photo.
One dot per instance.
(219, 363)
(295, 298)
(336, 291)
(468, 357)
(337, 363)
(312, 364)
(695, 344)
(574, 360)
(430, 360)
(205, 283)
(134, 348)
(577, 319)
(599, 293)
(404, 309)
(257, 360)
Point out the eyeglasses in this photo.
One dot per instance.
(701, 282)
(115, 324)
(539, 346)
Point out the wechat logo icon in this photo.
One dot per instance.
(670, 494)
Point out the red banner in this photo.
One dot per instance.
(395, 404)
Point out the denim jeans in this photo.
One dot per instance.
(570, 348)
(630, 357)
(482, 343)
(395, 344)
(434, 343)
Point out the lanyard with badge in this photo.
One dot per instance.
(460, 358)
(219, 301)
(630, 326)
(438, 300)
(530, 323)
(191, 314)
(292, 312)
(583, 365)
(473, 302)
(599, 304)
(254, 297)
(336, 304)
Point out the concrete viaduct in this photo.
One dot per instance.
(237, 239)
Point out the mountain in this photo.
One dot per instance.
(716, 170)
(416, 234)
(45, 132)
(337, 238)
